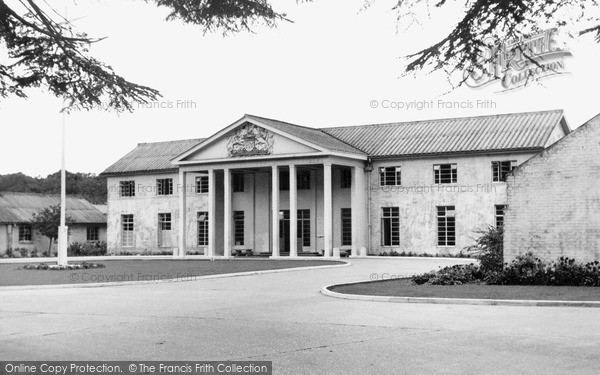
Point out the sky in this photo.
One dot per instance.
(336, 64)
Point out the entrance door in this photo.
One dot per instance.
(284, 231)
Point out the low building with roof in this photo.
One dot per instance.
(88, 223)
(264, 186)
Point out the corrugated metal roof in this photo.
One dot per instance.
(20, 207)
(514, 131)
(312, 135)
(506, 132)
(147, 157)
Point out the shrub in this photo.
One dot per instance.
(489, 249)
(453, 275)
(525, 269)
(87, 249)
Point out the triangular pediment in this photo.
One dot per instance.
(247, 139)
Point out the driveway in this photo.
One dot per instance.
(283, 318)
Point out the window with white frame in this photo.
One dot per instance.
(390, 226)
(238, 228)
(390, 176)
(164, 186)
(446, 225)
(201, 184)
(500, 208)
(501, 169)
(25, 233)
(202, 228)
(127, 231)
(92, 234)
(445, 173)
(127, 188)
(346, 226)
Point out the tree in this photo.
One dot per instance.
(47, 222)
(45, 51)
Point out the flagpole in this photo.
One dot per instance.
(63, 230)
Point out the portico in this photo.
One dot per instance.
(270, 192)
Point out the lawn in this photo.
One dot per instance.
(405, 288)
(144, 270)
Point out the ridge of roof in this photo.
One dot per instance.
(443, 119)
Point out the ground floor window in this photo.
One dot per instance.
(446, 226)
(390, 226)
(92, 234)
(346, 227)
(203, 228)
(127, 231)
(25, 233)
(238, 227)
(304, 227)
(164, 229)
(500, 208)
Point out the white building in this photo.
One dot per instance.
(420, 187)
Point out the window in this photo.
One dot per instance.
(284, 180)
(238, 228)
(303, 180)
(202, 184)
(445, 173)
(501, 169)
(127, 188)
(164, 221)
(25, 233)
(346, 226)
(302, 183)
(500, 208)
(390, 176)
(346, 178)
(390, 226)
(303, 228)
(127, 231)
(164, 186)
(238, 183)
(446, 226)
(92, 234)
(202, 228)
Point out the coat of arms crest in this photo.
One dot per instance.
(250, 140)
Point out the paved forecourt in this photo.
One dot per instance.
(282, 317)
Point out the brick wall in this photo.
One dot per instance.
(554, 200)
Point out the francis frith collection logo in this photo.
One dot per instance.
(515, 63)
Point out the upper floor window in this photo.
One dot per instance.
(202, 184)
(303, 180)
(92, 234)
(390, 176)
(238, 183)
(164, 186)
(445, 173)
(25, 233)
(127, 188)
(346, 178)
(501, 169)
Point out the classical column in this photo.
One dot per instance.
(359, 215)
(182, 215)
(227, 221)
(212, 212)
(293, 212)
(327, 210)
(275, 210)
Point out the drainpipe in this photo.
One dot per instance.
(369, 169)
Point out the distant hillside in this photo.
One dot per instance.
(84, 185)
